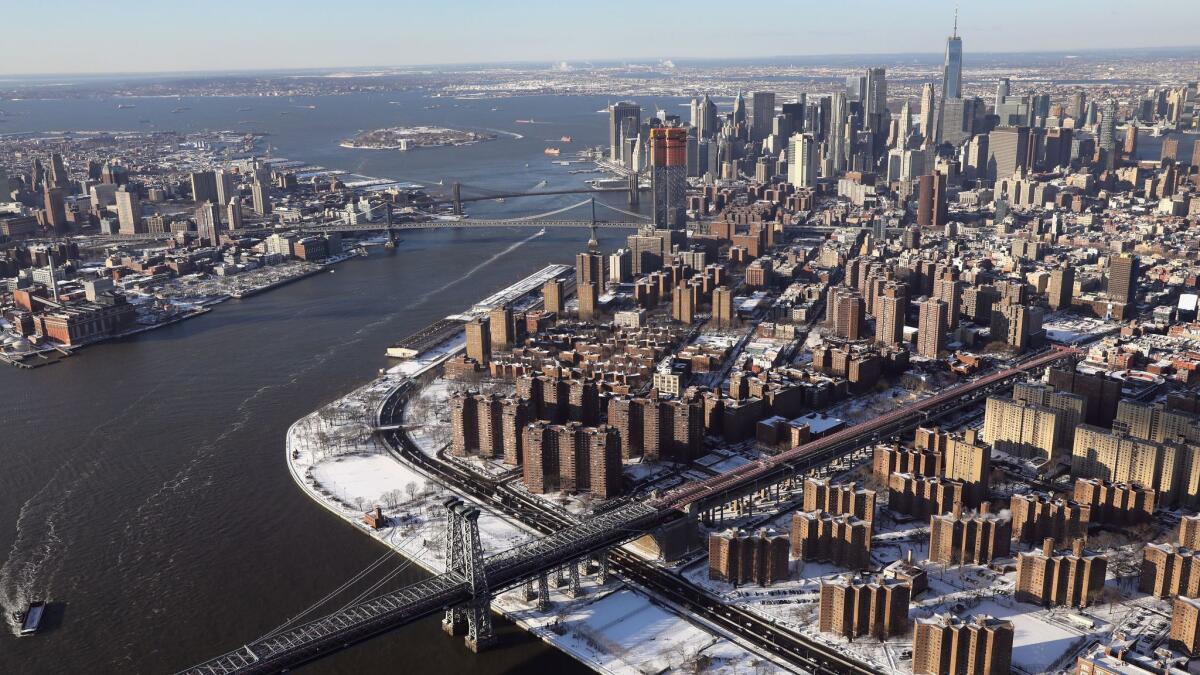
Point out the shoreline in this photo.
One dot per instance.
(385, 537)
(200, 308)
(609, 604)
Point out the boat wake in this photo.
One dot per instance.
(38, 550)
(513, 134)
(471, 272)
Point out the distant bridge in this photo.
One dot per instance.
(632, 188)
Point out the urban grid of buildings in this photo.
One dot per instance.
(807, 265)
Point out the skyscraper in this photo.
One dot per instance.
(58, 171)
(931, 200)
(927, 116)
(129, 212)
(234, 213)
(668, 166)
(739, 110)
(1106, 134)
(37, 175)
(706, 118)
(837, 133)
(1122, 278)
(56, 206)
(1008, 149)
(762, 110)
(204, 186)
(1003, 88)
(208, 222)
(875, 105)
(262, 202)
(802, 161)
(225, 187)
(904, 128)
(951, 73)
(1076, 109)
(617, 114)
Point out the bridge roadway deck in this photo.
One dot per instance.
(504, 570)
(367, 619)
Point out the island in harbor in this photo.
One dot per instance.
(407, 138)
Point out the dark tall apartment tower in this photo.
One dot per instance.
(931, 328)
(479, 340)
(56, 207)
(1122, 278)
(1061, 287)
(617, 113)
(58, 171)
(503, 329)
(589, 268)
(668, 167)
(204, 187)
(588, 296)
(552, 296)
(931, 200)
(890, 308)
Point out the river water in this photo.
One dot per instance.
(143, 487)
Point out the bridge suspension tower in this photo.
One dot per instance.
(594, 241)
(464, 557)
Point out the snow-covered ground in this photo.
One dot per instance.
(612, 628)
(1045, 640)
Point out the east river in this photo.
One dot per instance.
(143, 487)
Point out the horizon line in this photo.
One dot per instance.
(641, 60)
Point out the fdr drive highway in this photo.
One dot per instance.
(616, 523)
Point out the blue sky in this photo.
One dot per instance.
(78, 36)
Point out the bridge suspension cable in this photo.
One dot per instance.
(632, 214)
(541, 216)
(339, 590)
(377, 585)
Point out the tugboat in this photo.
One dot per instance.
(31, 619)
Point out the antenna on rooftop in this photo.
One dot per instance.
(955, 21)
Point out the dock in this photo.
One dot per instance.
(442, 330)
